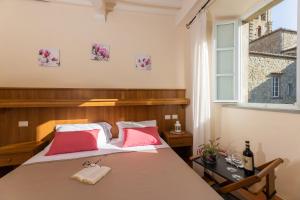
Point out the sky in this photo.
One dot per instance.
(284, 15)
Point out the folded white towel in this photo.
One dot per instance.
(91, 175)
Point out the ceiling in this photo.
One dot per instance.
(150, 4)
(231, 8)
(178, 8)
(165, 7)
(167, 4)
(170, 7)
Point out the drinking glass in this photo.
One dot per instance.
(232, 168)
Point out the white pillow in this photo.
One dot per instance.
(104, 135)
(129, 124)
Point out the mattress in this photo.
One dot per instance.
(147, 174)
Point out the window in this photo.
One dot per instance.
(263, 17)
(275, 87)
(271, 62)
(247, 55)
(225, 62)
(259, 31)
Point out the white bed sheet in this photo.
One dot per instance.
(114, 146)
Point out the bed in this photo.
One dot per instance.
(141, 173)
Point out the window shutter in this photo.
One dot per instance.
(226, 62)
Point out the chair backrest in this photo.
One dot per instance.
(255, 184)
(269, 167)
(267, 172)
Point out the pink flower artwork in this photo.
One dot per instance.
(143, 62)
(100, 52)
(48, 57)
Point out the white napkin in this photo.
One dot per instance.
(91, 175)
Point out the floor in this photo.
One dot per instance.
(249, 196)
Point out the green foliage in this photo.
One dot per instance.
(210, 149)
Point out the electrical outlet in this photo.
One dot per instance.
(23, 123)
(175, 116)
(167, 117)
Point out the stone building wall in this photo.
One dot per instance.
(270, 43)
(289, 39)
(275, 42)
(261, 68)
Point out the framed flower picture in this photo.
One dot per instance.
(49, 57)
(100, 52)
(143, 62)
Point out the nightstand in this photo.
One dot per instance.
(181, 143)
(16, 154)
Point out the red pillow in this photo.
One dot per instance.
(141, 136)
(74, 141)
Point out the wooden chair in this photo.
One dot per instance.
(264, 181)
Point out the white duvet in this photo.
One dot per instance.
(114, 146)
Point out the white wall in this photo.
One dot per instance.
(27, 26)
(218, 10)
(272, 135)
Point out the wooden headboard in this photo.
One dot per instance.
(47, 107)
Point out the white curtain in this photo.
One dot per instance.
(201, 101)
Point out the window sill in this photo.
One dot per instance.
(226, 101)
(288, 108)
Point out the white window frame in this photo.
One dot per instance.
(298, 60)
(236, 60)
(275, 86)
(244, 102)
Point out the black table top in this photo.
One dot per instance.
(221, 168)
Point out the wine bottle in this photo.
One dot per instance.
(248, 159)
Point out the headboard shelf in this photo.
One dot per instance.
(44, 108)
(51, 103)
